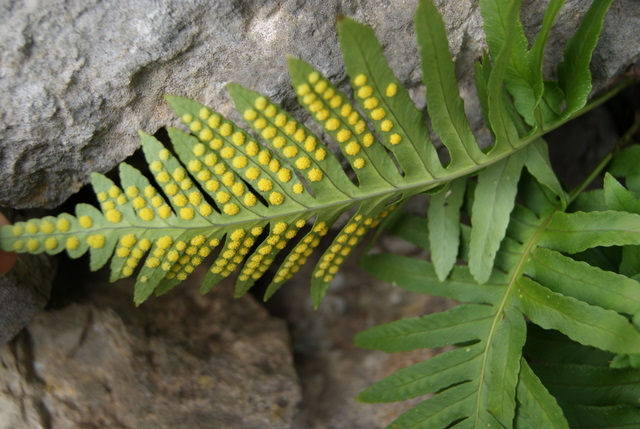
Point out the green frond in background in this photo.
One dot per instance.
(247, 196)
(544, 275)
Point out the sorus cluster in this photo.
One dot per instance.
(238, 245)
(147, 202)
(176, 183)
(50, 234)
(290, 138)
(336, 114)
(223, 145)
(264, 255)
(344, 243)
(365, 92)
(130, 250)
(111, 201)
(301, 252)
(179, 258)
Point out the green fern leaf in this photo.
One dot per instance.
(582, 322)
(494, 198)
(614, 417)
(587, 283)
(427, 376)
(444, 226)
(545, 109)
(386, 102)
(625, 165)
(574, 76)
(505, 32)
(412, 228)
(575, 232)
(445, 106)
(538, 165)
(536, 407)
(591, 385)
(530, 279)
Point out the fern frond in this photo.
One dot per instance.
(535, 276)
(247, 196)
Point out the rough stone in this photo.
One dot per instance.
(180, 361)
(24, 291)
(79, 78)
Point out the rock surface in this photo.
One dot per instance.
(181, 361)
(79, 78)
(24, 291)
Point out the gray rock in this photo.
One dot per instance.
(24, 291)
(79, 78)
(181, 361)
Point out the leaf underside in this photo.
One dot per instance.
(249, 197)
(221, 191)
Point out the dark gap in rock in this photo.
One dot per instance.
(577, 147)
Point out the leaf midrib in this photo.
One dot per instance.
(416, 186)
(411, 188)
(516, 273)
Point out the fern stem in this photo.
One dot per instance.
(624, 140)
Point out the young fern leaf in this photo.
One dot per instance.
(544, 108)
(246, 197)
(537, 101)
(574, 76)
(444, 226)
(505, 35)
(485, 376)
(446, 108)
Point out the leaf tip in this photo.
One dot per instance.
(169, 98)
(232, 86)
(361, 398)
